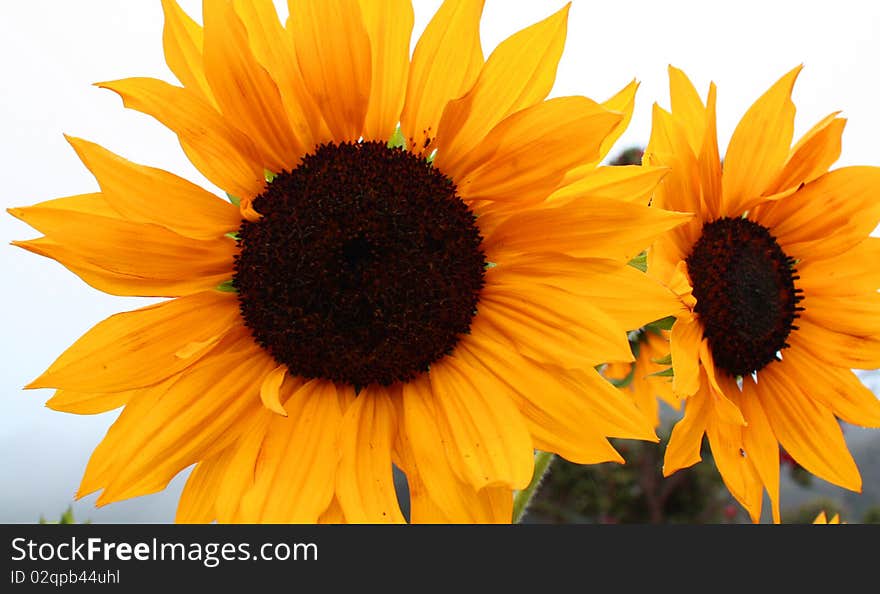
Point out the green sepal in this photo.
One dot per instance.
(667, 360)
(270, 177)
(665, 373)
(234, 199)
(640, 262)
(397, 140)
(233, 235)
(227, 287)
(660, 325)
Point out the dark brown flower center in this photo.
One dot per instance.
(365, 267)
(746, 298)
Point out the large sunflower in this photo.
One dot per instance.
(779, 278)
(437, 302)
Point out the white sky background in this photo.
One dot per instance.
(53, 50)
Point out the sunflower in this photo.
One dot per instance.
(436, 302)
(778, 280)
(646, 380)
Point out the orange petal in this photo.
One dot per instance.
(490, 443)
(296, 469)
(333, 48)
(759, 442)
(274, 49)
(389, 24)
(552, 409)
(806, 429)
(147, 195)
(518, 74)
(630, 183)
(87, 403)
(270, 390)
(583, 227)
(525, 157)
(365, 483)
(188, 418)
(813, 154)
(223, 153)
(139, 348)
(196, 505)
(683, 449)
(245, 92)
(684, 344)
(759, 147)
(687, 108)
(552, 326)
(827, 216)
(183, 40)
(131, 251)
(446, 61)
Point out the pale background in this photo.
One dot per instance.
(53, 50)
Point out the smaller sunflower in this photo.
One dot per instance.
(778, 279)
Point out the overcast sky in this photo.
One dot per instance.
(53, 50)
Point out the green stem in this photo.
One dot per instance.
(522, 498)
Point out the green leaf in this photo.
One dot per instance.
(227, 287)
(640, 262)
(235, 200)
(397, 140)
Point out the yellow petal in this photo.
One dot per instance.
(759, 147)
(851, 273)
(488, 435)
(630, 183)
(553, 410)
(147, 195)
(813, 154)
(389, 24)
(838, 389)
(805, 428)
(759, 442)
(333, 49)
(583, 227)
(365, 483)
(224, 154)
(445, 63)
(836, 348)
(270, 390)
(687, 108)
(737, 471)
(525, 157)
(684, 344)
(196, 505)
(827, 216)
(723, 388)
(139, 348)
(296, 469)
(274, 49)
(518, 74)
(552, 326)
(191, 417)
(245, 92)
(175, 264)
(710, 160)
(87, 403)
(683, 449)
(183, 40)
